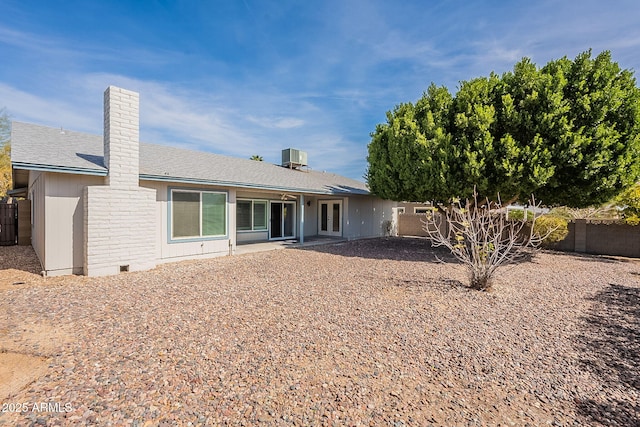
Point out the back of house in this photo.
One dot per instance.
(105, 204)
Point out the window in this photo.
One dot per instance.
(423, 210)
(251, 215)
(198, 214)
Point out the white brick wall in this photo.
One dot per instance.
(120, 218)
(121, 137)
(120, 229)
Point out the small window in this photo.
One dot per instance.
(251, 215)
(401, 210)
(259, 215)
(243, 215)
(196, 214)
(423, 210)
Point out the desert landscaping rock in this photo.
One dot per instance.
(372, 332)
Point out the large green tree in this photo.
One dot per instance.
(5, 153)
(568, 132)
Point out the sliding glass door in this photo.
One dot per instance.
(282, 224)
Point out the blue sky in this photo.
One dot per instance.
(243, 77)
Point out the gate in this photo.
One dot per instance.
(8, 224)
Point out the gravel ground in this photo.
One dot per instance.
(368, 332)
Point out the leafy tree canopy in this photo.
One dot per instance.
(568, 132)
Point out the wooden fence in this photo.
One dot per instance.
(15, 223)
(8, 224)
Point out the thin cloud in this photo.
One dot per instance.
(25, 106)
(177, 115)
(276, 122)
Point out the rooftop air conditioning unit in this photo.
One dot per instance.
(292, 158)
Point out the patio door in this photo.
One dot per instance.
(330, 218)
(283, 220)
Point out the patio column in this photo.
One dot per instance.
(301, 222)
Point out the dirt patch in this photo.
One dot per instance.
(25, 345)
(14, 279)
(18, 370)
(25, 349)
(19, 267)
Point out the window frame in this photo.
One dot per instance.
(175, 239)
(253, 228)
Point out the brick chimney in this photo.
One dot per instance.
(120, 218)
(121, 137)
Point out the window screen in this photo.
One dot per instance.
(198, 214)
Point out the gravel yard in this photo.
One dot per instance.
(370, 332)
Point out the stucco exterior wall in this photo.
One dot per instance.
(65, 219)
(310, 216)
(37, 196)
(57, 227)
(366, 217)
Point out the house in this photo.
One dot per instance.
(102, 205)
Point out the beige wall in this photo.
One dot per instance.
(64, 220)
(37, 197)
(414, 224)
(57, 227)
(366, 216)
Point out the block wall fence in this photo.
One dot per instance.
(585, 236)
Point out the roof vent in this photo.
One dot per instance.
(293, 159)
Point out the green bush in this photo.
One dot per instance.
(518, 214)
(632, 220)
(552, 226)
(630, 201)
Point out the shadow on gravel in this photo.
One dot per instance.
(611, 349)
(395, 249)
(391, 248)
(21, 258)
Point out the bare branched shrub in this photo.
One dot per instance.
(482, 238)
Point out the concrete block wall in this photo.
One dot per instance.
(601, 238)
(120, 230)
(410, 224)
(121, 137)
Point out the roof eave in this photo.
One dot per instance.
(252, 186)
(58, 168)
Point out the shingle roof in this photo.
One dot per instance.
(45, 148)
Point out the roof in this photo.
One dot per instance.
(35, 147)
